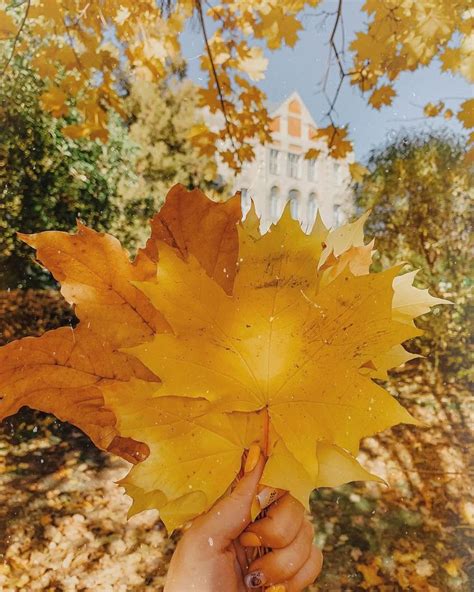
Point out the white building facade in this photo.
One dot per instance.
(280, 172)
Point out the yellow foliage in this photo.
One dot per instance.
(95, 274)
(403, 36)
(312, 154)
(382, 96)
(410, 302)
(8, 27)
(54, 101)
(254, 64)
(370, 575)
(398, 37)
(466, 113)
(278, 26)
(432, 110)
(357, 171)
(214, 338)
(71, 373)
(336, 139)
(453, 566)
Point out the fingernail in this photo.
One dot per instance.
(249, 539)
(254, 579)
(267, 496)
(277, 588)
(255, 508)
(252, 458)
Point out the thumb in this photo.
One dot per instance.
(229, 517)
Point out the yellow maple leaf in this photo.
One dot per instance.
(450, 59)
(203, 139)
(267, 346)
(45, 68)
(358, 171)
(254, 63)
(54, 101)
(214, 338)
(433, 110)
(184, 219)
(382, 96)
(336, 139)
(70, 373)
(466, 113)
(48, 9)
(195, 454)
(77, 131)
(8, 27)
(95, 274)
(344, 238)
(277, 26)
(378, 366)
(312, 154)
(410, 302)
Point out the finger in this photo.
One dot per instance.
(268, 495)
(308, 572)
(242, 558)
(231, 515)
(279, 527)
(281, 564)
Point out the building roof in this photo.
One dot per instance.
(283, 107)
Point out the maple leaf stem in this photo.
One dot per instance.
(266, 430)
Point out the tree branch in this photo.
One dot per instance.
(16, 38)
(342, 74)
(215, 76)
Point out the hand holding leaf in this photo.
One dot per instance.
(214, 339)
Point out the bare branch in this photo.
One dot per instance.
(333, 51)
(71, 40)
(215, 75)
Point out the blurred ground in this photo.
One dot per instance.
(63, 520)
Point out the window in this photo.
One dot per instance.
(311, 169)
(293, 196)
(274, 161)
(244, 201)
(338, 172)
(274, 198)
(293, 162)
(338, 215)
(312, 207)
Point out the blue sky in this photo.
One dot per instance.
(302, 68)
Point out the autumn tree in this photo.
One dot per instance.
(91, 44)
(161, 115)
(420, 190)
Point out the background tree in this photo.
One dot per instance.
(48, 180)
(420, 190)
(161, 116)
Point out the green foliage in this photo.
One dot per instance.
(47, 181)
(419, 189)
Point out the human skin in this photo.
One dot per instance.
(211, 555)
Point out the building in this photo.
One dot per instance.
(280, 173)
